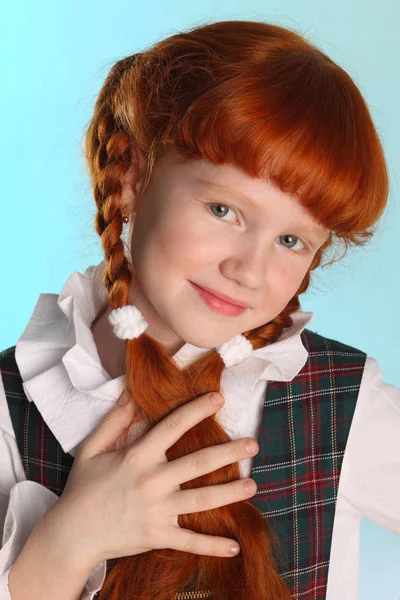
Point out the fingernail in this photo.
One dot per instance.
(217, 399)
(233, 549)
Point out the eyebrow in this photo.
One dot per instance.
(239, 196)
(222, 188)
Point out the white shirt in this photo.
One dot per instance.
(61, 372)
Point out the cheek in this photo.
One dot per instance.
(282, 283)
(166, 245)
(183, 241)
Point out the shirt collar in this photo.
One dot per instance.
(61, 369)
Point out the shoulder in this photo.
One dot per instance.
(374, 391)
(372, 459)
(378, 407)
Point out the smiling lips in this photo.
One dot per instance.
(218, 304)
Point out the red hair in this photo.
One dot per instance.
(262, 98)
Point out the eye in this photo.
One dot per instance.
(225, 207)
(290, 235)
(219, 206)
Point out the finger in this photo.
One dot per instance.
(199, 543)
(204, 461)
(211, 496)
(168, 431)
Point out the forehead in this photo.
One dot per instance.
(232, 183)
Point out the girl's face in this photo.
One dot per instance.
(247, 240)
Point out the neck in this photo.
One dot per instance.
(110, 348)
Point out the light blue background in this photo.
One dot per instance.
(54, 58)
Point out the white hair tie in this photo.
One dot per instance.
(235, 350)
(127, 321)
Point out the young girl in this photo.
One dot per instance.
(238, 153)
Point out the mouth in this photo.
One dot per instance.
(218, 304)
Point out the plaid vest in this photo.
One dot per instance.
(303, 434)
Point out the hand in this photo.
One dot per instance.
(122, 503)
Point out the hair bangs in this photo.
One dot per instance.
(303, 125)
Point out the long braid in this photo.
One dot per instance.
(108, 152)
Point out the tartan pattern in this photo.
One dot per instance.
(303, 434)
(43, 459)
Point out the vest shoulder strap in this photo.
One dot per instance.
(42, 456)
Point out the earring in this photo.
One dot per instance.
(125, 217)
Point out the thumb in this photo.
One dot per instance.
(106, 434)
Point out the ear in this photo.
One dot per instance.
(132, 182)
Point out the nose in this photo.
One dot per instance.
(247, 265)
